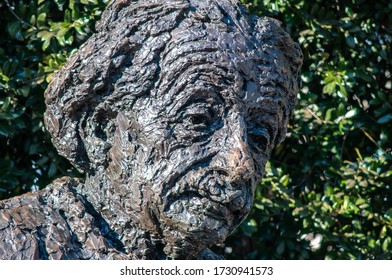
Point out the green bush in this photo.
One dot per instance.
(37, 38)
(327, 191)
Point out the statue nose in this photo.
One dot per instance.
(240, 162)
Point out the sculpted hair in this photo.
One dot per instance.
(144, 49)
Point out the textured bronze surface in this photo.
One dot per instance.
(171, 110)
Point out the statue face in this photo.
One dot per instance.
(200, 141)
(204, 147)
(174, 116)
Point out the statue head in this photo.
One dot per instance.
(172, 109)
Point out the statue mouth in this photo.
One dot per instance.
(204, 199)
(192, 202)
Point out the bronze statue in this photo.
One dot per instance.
(171, 110)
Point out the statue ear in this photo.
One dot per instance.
(84, 139)
(270, 32)
(65, 137)
(97, 134)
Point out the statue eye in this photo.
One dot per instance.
(259, 138)
(199, 117)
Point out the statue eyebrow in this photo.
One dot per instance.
(193, 94)
(266, 119)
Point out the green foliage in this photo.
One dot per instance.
(331, 196)
(37, 37)
(327, 191)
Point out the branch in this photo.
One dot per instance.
(18, 17)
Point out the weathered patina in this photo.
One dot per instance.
(171, 110)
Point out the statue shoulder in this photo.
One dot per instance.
(36, 226)
(54, 223)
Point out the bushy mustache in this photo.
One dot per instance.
(207, 182)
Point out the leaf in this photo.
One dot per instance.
(46, 37)
(80, 31)
(360, 201)
(383, 232)
(355, 29)
(60, 3)
(343, 91)
(384, 54)
(32, 149)
(6, 67)
(330, 88)
(45, 45)
(357, 225)
(3, 79)
(341, 109)
(4, 130)
(41, 20)
(386, 244)
(33, 20)
(62, 32)
(328, 114)
(388, 215)
(351, 113)
(249, 227)
(365, 76)
(350, 41)
(11, 115)
(24, 91)
(280, 248)
(385, 119)
(52, 170)
(14, 28)
(372, 243)
(68, 39)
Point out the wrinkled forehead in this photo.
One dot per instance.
(209, 62)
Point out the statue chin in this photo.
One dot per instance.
(199, 222)
(205, 206)
(200, 216)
